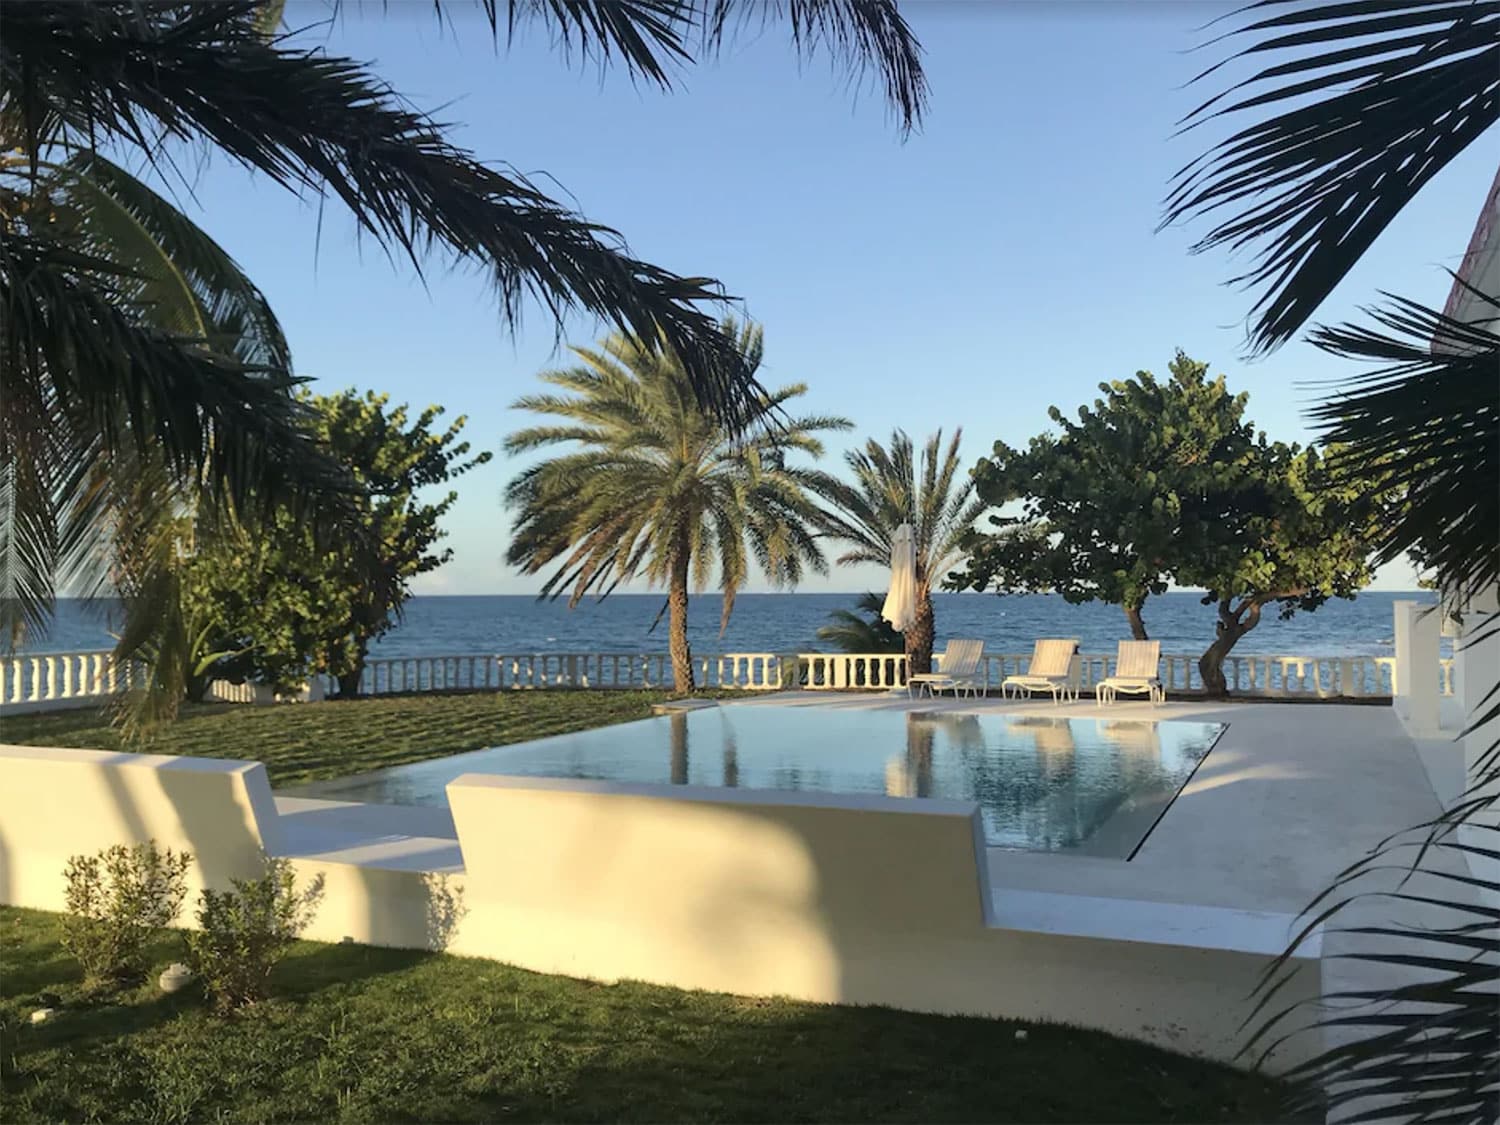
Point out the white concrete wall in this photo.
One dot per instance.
(863, 900)
(1417, 648)
(56, 803)
(1477, 652)
(866, 900)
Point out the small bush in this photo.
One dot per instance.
(244, 932)
(116, 900)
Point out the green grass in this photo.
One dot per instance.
(313, 742)
(363, 1034)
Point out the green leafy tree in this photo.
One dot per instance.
(1144, 477)
(659, 489)
(1299, 536)
(95, 371)
(1167, 482)
(892, 487)
(293, 604)
(864, 630)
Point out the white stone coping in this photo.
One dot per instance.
(1157, 923)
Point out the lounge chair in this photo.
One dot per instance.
(958, 670)
(1135, 673)
(1051, 669)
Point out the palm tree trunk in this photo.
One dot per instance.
(1137, 623)
(678, 736)
(920, 635)
(677, 610)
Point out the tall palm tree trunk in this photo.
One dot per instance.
(677, 611)
(920, 635)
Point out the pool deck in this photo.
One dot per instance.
(1289, 795)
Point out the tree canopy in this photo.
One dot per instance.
(1167, 483)
(894, 485)
(656, 488)
(1147, 476)
(291, 604)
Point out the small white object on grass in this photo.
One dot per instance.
(1020, 1033)
(42, 1015)
(174, 976)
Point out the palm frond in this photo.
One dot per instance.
(893, 484)
(860, 34)
(650, 473)
(86, 381)
(1420, 1046)
(134, 71)
(1427, 421)
(1384, 94)
(850, 632)
(652, 37)
(184, 282)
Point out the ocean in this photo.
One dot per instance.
(519, 624)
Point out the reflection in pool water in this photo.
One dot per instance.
(1047, 784)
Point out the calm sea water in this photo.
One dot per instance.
(789, 622)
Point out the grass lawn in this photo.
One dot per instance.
(363, 1034)
(313, 742)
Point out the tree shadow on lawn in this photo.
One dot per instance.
(768, 1059)
(312, 967)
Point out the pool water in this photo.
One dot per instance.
(1087, 786)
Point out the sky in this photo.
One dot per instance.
(1001, 260)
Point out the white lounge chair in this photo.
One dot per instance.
(958, 670)
(1135, 673)
(1051, 669)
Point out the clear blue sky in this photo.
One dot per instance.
(999, 261)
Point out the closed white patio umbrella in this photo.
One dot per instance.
(900, 607)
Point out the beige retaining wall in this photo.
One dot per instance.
(866, 900)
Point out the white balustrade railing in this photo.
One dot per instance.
(746, 671)
(1258, 674)
(30, 682)
(839, 671)
(41, 681)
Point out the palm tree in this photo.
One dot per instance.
(887, 493)
(849, 632)
(1382, 97)
(658, 488)
(92, 371)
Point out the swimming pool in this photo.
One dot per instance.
(1087, 786)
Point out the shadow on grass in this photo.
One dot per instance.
(313, 967)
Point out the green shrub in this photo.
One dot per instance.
(116, 900)
(244, 932)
